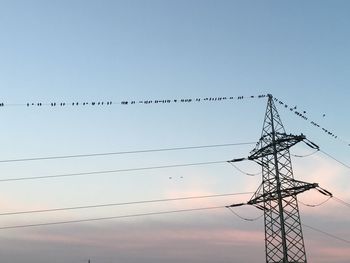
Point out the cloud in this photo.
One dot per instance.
(324, 252)
(154, 242)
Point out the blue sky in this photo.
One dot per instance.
(67, 51)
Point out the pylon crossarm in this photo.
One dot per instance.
(311, 144)
(237, 160)
(235, 205)
(280, 144)
(292, 191)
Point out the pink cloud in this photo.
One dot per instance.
(325, 252)
(134, 236)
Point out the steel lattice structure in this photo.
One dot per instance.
(277, 195)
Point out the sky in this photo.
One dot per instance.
(85, 51)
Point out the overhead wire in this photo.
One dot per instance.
(337, 199)
(243, 172)
(109, 218)
(335, 159)
(341, 201)
(120, 204)
(303, 114)
(146, 214)
(315, 205)
(125, 152)
(327, 234)
(110, 102)
(65, 175)
(306, 155)
(244, 218)
(139, 168)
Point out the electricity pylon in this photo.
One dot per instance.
(277, 194)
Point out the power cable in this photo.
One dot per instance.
(109, 171)
(243, 172)
(313, 228)
(315, 205)
(306, 155)
(110, 102)
(147, 214)
(244, 218)
(327, 234)
(120, 204)
(341, 201)
(303, 114)
(335, 159)
(329, 197)
(109, 218)
(125, 152)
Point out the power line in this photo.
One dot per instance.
(327, 234)
(120, 204)
(146, 214)
(335, 159)
(109, 218)
(243, 172)
(312, 228)
(125, 152)
(341, 201)
(303, 114)
(315, 205)
(110, 102)
(244, 218)
(306, 155)
(110, 171)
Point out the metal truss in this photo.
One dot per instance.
(277, 195)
